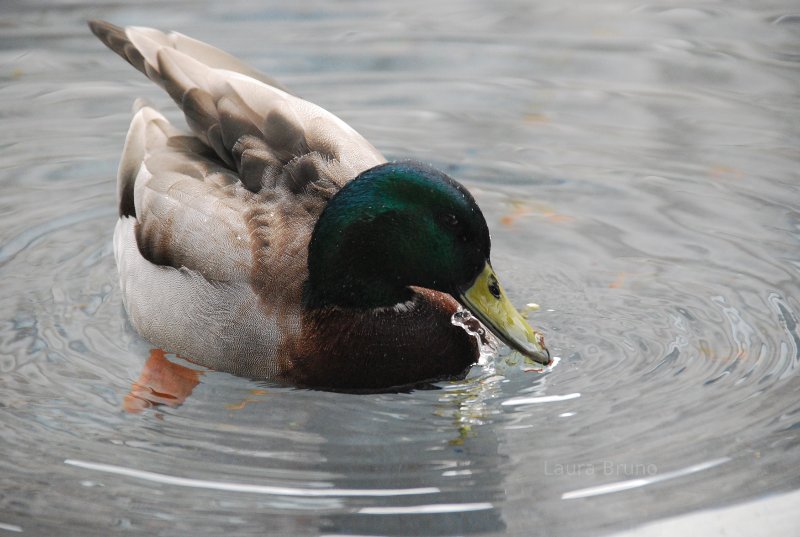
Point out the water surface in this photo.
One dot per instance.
(638, 166)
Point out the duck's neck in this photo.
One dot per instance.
(340, 287)
(352, 261)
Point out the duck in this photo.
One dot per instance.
(273, 241)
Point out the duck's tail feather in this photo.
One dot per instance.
(114, 38)
(134, 152)
(139, 47)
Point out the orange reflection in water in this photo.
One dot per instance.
(161, 382)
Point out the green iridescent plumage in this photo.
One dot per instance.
(396, 225)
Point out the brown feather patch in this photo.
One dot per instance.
(351, 349)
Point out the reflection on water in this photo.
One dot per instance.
(610, 469)
(637, 165)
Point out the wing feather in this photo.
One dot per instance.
(253, 126)
(190, 210)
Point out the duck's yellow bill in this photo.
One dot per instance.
(488, 302)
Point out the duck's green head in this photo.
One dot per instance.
(405, 224)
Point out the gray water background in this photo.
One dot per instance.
(637, 163)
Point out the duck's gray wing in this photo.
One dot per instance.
(190, 210)
(270, 138)
(187, 253)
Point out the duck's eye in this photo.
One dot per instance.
(449, 220)
(494, 287)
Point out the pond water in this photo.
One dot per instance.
(637, 163)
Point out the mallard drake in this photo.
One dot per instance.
(276, 242)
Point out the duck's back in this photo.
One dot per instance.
(214, 228)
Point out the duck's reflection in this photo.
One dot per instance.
(161, 382)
